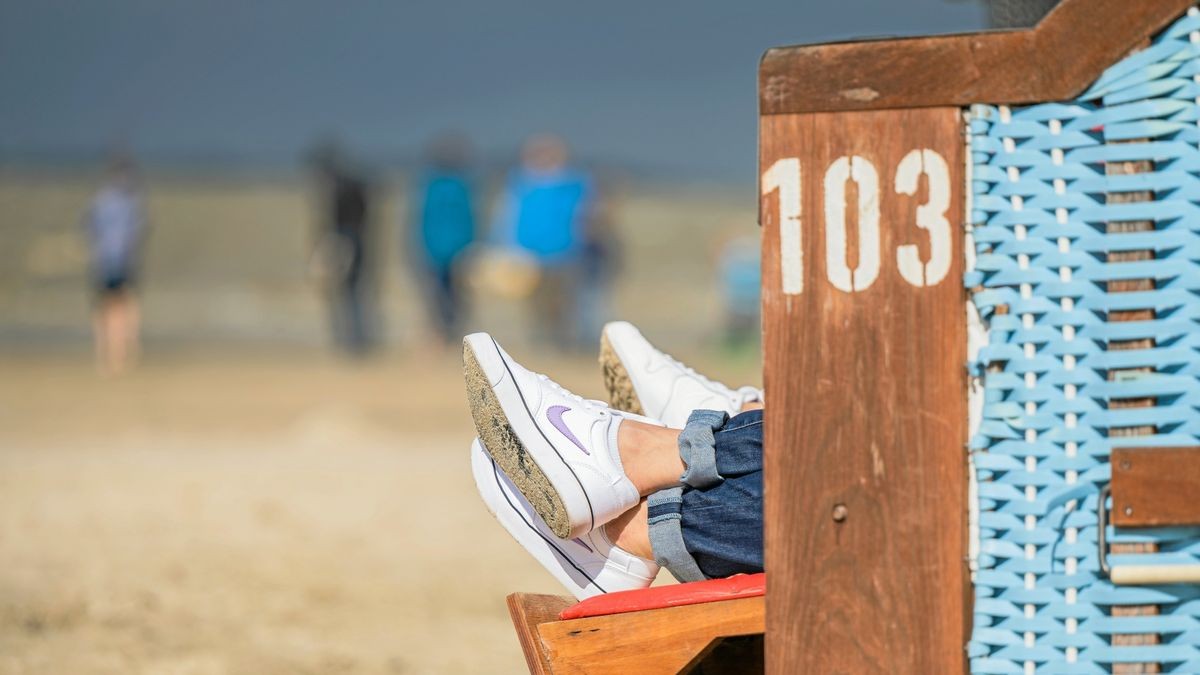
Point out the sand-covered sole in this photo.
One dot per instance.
(503, 444)
(621, 395)
(518, 522)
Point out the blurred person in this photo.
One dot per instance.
(738, 267)
(441, 227)
(115, 224)
(544, 213)
(668, 474)
(341, 250)
(600, 262)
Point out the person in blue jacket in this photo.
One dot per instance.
(441, 227)
(545, 212)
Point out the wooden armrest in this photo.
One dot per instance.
(528, 611)
(1155, 487)
(665, 640)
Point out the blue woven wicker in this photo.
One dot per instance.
(1041, 208)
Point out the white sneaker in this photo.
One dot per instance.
(587, 565)
(559, 449)
(641, 379)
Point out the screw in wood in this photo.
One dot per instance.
(840, 512)
(1125, 465)
(1129, 510)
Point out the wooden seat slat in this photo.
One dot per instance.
(662, 640)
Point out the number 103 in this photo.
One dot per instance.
(784, 176)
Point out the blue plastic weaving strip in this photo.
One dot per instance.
(1040, 215)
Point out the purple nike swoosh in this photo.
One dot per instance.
(555, 414)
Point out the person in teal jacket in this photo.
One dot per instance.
(442, 226)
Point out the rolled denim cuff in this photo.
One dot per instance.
(697, 448)
(665, 513)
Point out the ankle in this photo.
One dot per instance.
(649, 456)
(630, 532)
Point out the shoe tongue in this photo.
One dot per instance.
(749, 394)
(638, 418)
(614, 428)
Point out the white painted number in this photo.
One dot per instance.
(931, 216)
(866, 271)
(784, 176)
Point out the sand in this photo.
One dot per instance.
(245, 502)
(273, 512)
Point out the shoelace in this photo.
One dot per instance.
(690, 371)
(587, 403)
(738, 398)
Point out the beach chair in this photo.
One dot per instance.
(981, 286)
(981, 301)
(704, 627)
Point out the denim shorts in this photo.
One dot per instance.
(711, 525)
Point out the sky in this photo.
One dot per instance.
(662, 88)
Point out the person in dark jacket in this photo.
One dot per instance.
(342, 251)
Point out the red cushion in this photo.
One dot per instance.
(675, 595)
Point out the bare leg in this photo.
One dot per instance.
(650, 456)
(110, 335)
(133, 328)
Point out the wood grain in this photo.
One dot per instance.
(1056, 60)
(667, 640)
(528, 611)
(1156, 487)
(867, 393)
(1123, 168)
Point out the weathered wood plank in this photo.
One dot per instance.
(865, 494)
(1056, 60)
(527, 611)
(1156, 487)
(667, 640)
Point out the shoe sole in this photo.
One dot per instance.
(504, 445)
(519, 523)
(621, 394)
